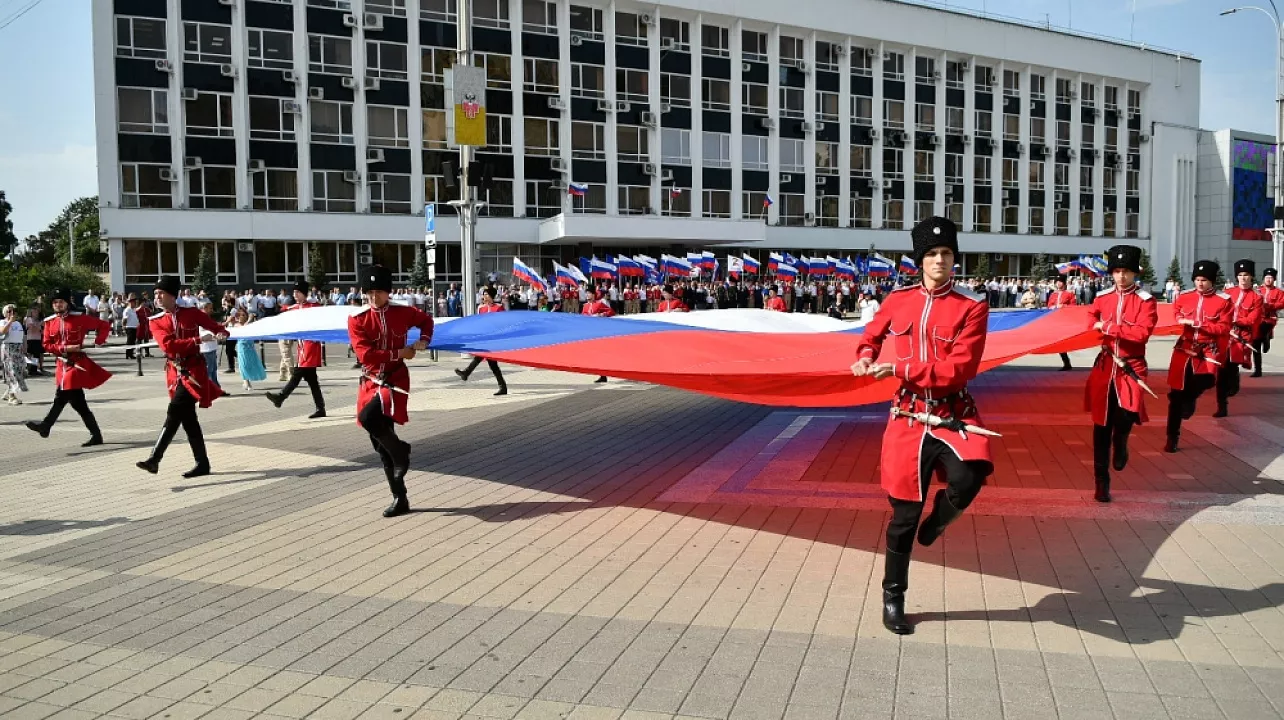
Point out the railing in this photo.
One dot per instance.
(1046, 25)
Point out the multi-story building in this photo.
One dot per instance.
(1235, 199)
(261, 126)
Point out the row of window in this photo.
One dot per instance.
(212, 43)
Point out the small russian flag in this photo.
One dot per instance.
(522, 271)
(577, 189)
(751, 265)
(908, 266)
(675, 192)
(789, 272)
(767, 201)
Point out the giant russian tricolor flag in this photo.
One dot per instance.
(756, 356)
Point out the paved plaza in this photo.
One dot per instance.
(625, 551)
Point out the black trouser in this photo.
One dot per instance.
(1181, 403)
(1065, 360)
(1119, 422)
(131, 339)
(962, 483)
(181, 412)
(1227, 382)
(229, 349)
(494, 368)
(393, 452)
(76, 399)
(310, 375)
(1261, 344)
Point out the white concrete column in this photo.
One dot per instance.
(939, 131)
(809, 115)
(845, 133)
(563, 78)
(303, 121)
(737, 109)
(415, 121)
(360, 131)
(105, 114)
(612, 125)
(653, 100)
(517, 130)
(773, 136)
(177, 107)
(879, 120)
(1099, 163)
(1023, 171)
(697, 118)
(969, 146)
(241, 107)
(911, 140)
(996, 158)
(1076, 145)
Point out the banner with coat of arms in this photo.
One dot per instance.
(467, 88)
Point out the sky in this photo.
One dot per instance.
(47, 156)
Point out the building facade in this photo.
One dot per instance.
(1235, 198)
(259, 127)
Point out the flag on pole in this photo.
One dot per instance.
(578, 274)
(774, 260)
(523, 272)
(751, 266)
(735, 265)
(880, 266)
(908, 266)
(577, 189)
(787, 272)
(671, 265)
(564, 275)
(602, 270)
(629, 267)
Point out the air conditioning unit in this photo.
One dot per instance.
(650, 119)
(289, 76)
(934, 140)
(964, 66)
(800, 65)
(558, 185)
(767, 123)
(605, 106)
(1072, 153)
(164, 66)
(192, 163)
(967, 139)
(1144, 138)
(622, 106)
(840, 50)
(374, 155)
(372, 84)
(936, 76)
(364, 248)
(292, 107)
(1020, 148)
(245, 247)
(227, 70)
(666, 176)
(809, 219)
(349, 83)
(374, 179)
(373, 21)
(191, 93)
(576, 41)
(785, 179)
(870, 52)
(350, 20)
(808, 127)
(667, 43)
(316, 93)
(665, 107)
(1073, 94)
(745, 67)
(873, 134)
(887, 183)
(351, 176)
(559, 164)
(1063, 198)
(821, 181)
(887, 56)
(896, 137)
(646, 19)
(168, 175)
(256, 166)
(556, 103)
(650, 169)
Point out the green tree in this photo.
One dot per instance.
(1042, 267)
(1174, 272)
(205, 278)
(1147, 275)
(982, 268)
(8, 241)
(22, 285)
(419, 273)
(1220, 282)
(316, 267)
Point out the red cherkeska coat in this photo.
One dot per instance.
(600, 308)
(75, 370)
(178, 335)
(1061, 298)
(309, 352)
(1272, 303)
(377, 335)
(674, 305)
(935, 341)
(1211, 313)
(775, 303)
(1127, 320)
(1246, 315)
(493, 307)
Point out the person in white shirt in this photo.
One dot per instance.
(185, 300)
(130, 321)
(268, 304)
(13, 356)
(868, 307)
(91, 302)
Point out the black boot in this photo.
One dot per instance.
(397, 483)
(601, 379)
(1175, 405)
(1119, 443)
(320, 413)
(201, 469)
(943, 513)
(95, 435)
(462, 375)
(1221, 409)
(503, 390)
(1101, 441)
(400, 506)
(276, 399)
(895, 583)
(93, 440)
(152, 464)
(38, 427)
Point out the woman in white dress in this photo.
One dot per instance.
(13, 355)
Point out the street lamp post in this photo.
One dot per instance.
(1277, 231)
(71, 239)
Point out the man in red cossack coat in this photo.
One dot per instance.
(177, 331)
(598, 307)
(670, 303)
(1246, 316)
(64, 337)
(1272, 303)
(1204, 314)
(1059, 298)
(1125, 315)
(378, 334)
(307, 362)
(488, 305)
(930, 336)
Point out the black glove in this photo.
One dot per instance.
(952, 423)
